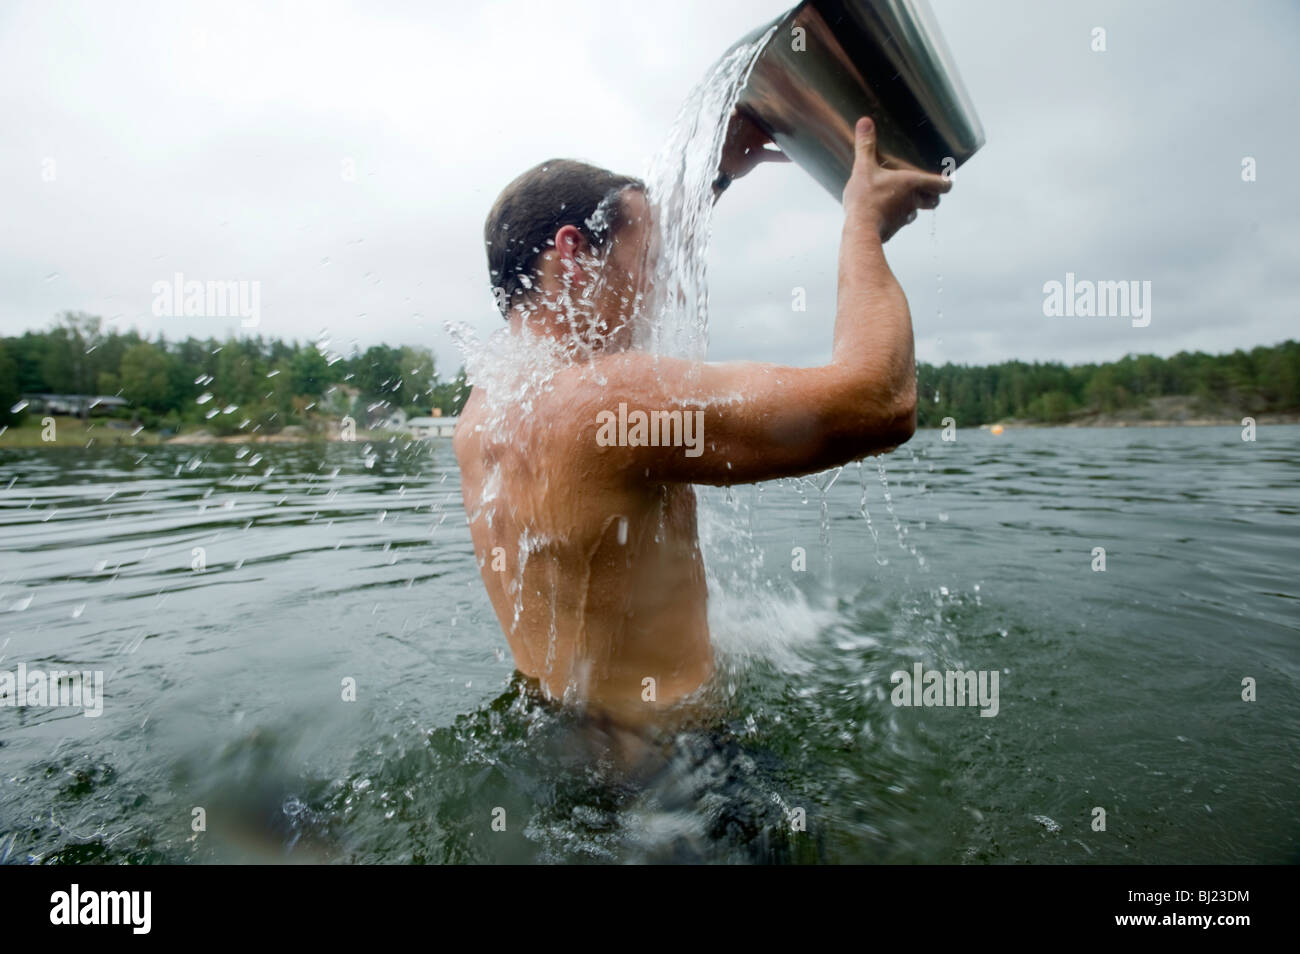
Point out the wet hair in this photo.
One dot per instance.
(531, 209)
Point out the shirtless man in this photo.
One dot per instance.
(588, 549)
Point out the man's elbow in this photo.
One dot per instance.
(885, 423)
(900, 423)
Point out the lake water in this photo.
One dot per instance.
(228, 593)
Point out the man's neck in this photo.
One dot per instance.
(557, 327)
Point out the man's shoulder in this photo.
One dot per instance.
(577, 397)
(558, 423)
(467, 425)
(606, 378)
(539, 423)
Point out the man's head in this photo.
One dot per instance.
(566, 227)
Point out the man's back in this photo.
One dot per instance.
(595, 576)
(587, 546)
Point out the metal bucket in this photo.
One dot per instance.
(832, 61)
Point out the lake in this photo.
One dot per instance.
(233, 596)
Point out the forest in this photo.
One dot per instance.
(1263, 380)
(177, 385)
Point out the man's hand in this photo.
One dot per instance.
(745, 147)
(888, 198)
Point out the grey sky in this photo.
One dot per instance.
(212, 140)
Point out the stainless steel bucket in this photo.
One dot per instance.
(831, 61)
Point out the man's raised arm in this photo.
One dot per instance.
(667, 419)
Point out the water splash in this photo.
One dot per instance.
(680, 186)
(515, 369)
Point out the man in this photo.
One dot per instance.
(587, 544)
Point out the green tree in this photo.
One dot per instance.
(145, 378)
(450, 396)
(379, 371)
(10, 394)
(309, 372)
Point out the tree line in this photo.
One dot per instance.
(274, 384)
(1262, 380)
(253, 381)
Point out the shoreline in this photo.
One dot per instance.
(1262, 420)
(204, 440)
(75, 436)
(1111, 422)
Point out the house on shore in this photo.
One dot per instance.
(80, 405)
(423, 427)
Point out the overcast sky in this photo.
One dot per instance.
(216, 140)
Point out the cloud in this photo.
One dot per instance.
(345, 155)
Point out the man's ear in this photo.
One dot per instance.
(570, 244)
